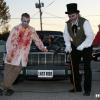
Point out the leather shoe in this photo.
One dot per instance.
(77, 90)
(72, 90)
(86, 93)
(1, 92)
(8, 92)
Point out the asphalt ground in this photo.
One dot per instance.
(50, 90)
(53, 89)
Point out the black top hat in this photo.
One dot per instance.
(72, 8)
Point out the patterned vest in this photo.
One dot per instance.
(80, 35)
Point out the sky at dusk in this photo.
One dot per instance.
(53, 12)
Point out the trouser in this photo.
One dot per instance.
(11, 72)
(76, 56)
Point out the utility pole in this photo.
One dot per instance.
(39, 5)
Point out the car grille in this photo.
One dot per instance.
(48, 58)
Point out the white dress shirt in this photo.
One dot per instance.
(88, 32)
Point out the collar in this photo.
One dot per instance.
(75, 23)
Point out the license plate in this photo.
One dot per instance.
(45, 73)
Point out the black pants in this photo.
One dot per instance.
(76, 56)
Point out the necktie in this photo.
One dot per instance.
(74, 29)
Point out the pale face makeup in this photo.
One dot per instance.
(25, 21)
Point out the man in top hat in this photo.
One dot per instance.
(78, 37)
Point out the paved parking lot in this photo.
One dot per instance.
(50, 90)
(53, 90)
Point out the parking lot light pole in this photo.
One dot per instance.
(39, 5)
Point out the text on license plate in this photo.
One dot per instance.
(45, 73)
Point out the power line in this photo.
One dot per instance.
(50, 3)
(55, 16)
(36, 13)
(42, 18)
(50, 24)
(92, 15)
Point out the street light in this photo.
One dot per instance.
(39, 5)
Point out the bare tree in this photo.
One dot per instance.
(4, 13)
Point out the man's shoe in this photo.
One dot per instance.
(77, 90)
(86, 93)
(8, 92)
(72, 90)
(1, 92)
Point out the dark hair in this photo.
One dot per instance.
(25, 15)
